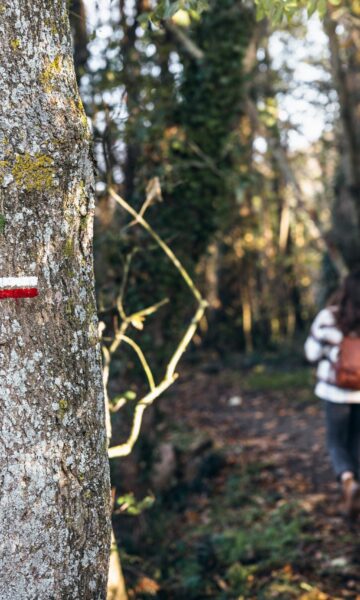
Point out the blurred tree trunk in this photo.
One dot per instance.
(80, 35)
(132, 80)
(55, 499)
(344, 46)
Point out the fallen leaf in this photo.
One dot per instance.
(147, 586)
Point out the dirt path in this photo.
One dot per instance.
(267, 523)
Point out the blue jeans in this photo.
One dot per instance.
(343, 436)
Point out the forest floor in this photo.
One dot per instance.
(252, 510)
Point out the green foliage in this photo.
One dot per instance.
(239, 575)
(129, 396)
(129, 504)
(261, 378)
(273, 541)
(275, 10)
(187, 125)
(212, 95)
(180, 129)
(166, 9)
(279, 10)
(245, 536)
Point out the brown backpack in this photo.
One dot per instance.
(348, 364)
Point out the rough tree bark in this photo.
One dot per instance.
(54, 493)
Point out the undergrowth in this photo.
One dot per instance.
(224, 546)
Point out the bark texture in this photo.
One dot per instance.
(54, 492)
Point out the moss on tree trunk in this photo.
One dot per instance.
(54, 495)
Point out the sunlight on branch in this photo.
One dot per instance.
(136, 320)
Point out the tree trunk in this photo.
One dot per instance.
(80, 36)
(54, 498)
(345, 63)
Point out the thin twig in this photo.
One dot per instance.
(120, 299)
(125, 449)
(161, 243)
(142, 359)
(113, 408)
(170, 374)
(189, 334)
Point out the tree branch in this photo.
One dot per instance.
(170, 375)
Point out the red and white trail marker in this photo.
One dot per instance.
(18, 287)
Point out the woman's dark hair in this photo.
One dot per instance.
(348, 313)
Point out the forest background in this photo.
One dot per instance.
(239, 141)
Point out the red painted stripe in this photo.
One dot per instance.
(19, 293)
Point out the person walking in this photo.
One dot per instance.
(334, 344)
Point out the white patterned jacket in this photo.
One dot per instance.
(322, 347)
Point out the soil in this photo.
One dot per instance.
(268, 468)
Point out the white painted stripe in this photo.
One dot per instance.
(18, 282)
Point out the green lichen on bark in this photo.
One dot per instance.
(78, 108)
(4, 167)
(51, 72)
(15, 44)
(69, 249)
(51, 396)
(33, 173)
(63, 408)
